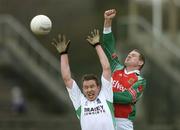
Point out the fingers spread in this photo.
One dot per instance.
(97, 31)
(59, 37)
(54, 44)
(67, 43)
(63, 38)
(88, 40)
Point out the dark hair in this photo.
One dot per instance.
(90, 77)
(141, 57)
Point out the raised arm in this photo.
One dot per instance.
(109, 40)
(94, 41)
(62, 46)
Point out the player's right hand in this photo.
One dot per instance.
(110, 14)
(61, 44)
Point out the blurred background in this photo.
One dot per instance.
(32, 94)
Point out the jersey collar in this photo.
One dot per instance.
(133, 71)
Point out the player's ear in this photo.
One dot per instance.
(99, 86)
(141, 63)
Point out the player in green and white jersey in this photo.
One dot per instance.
(94, 107)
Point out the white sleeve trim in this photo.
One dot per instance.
(107, 30)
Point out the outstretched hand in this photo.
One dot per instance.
(61, 44)
(94, 38)
(110, 14)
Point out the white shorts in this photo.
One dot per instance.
(124, 124)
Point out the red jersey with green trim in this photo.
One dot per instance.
(128, 87)
(125, 93)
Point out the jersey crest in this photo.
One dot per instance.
(131, 80)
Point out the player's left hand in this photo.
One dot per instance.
(94, 38)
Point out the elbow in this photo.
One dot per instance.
(107, 68)
(67, 81)
(65, 78)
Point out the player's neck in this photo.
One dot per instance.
(129, 69)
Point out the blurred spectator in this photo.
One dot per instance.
(18, 101)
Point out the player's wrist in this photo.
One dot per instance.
(96, 44)
(108, 19)
(63, 53)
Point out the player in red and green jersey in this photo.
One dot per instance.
(128, 85)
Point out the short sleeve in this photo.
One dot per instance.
(106, 88)
(75, 95)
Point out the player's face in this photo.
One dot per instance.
(90, 89)
(133, 60)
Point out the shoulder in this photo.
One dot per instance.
(105, 81)
(141, 80)
(140, 77)
(74, 86)
(119, 69)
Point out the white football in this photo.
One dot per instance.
(41, 24)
